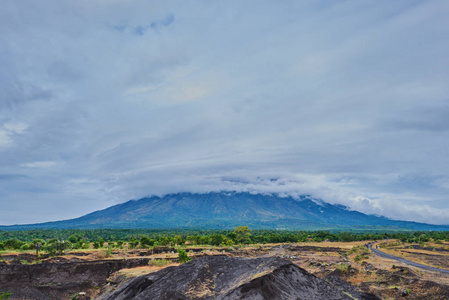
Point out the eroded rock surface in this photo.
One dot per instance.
(221, 277)
(59, 278)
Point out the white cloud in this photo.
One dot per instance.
(8, 131)
(39, 164)
(345, 101)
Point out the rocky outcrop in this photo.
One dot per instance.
(221, 277)
(59, 278)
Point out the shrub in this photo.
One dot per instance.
(13, 244)
(57, 247)
(133, 243)
(354, 249)
(360, 257)
(182, 256)
(342, 268)
(5, 295)
(120, 244)
(25, 247)
(159, 262)
(109, 252)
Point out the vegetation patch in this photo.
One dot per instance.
(342, 268)
(159, 262)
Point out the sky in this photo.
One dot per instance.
(106, 101)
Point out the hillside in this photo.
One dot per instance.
(223, 210)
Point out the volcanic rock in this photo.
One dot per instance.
(222, 277)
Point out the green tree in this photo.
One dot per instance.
(178, 240)
(36, 242)
(57, 247)
(204, 240)
(182, 256)
(163, 240)
(133, 243)
(243, 234)
(13, 244)
(73, 239)
(145, 242)
(25, 247)
(216, 239)
(228, 242)
(232, 236)
(191, 239)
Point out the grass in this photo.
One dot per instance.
(342, 268)
(419, 251)
(360, 257)
(159, 262)
(5, 295)
(349, 295)
(361, 252)
(394, 287)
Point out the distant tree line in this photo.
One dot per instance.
(56, 241)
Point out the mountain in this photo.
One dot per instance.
(225, 210)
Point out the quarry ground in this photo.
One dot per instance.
(89, 274)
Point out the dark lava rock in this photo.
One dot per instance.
(335, 278)
(221, 277)
(59, 278)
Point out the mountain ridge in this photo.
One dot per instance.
(225, 210)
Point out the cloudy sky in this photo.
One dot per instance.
(106, 101)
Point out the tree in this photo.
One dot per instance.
(243, 234)
(57, 247)
(134, 242)
(178, 240)
(182, 256)
(204, 240)
(228, 242)
(232, 236)
(216, 239)
(163, 240)
(145, 241)
(73, 239)
(191, 239)
(13, 244)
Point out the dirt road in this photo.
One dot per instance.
(406, 261)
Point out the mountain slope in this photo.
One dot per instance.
(222, 210)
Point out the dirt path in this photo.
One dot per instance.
(275, 252)
(406, 261)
